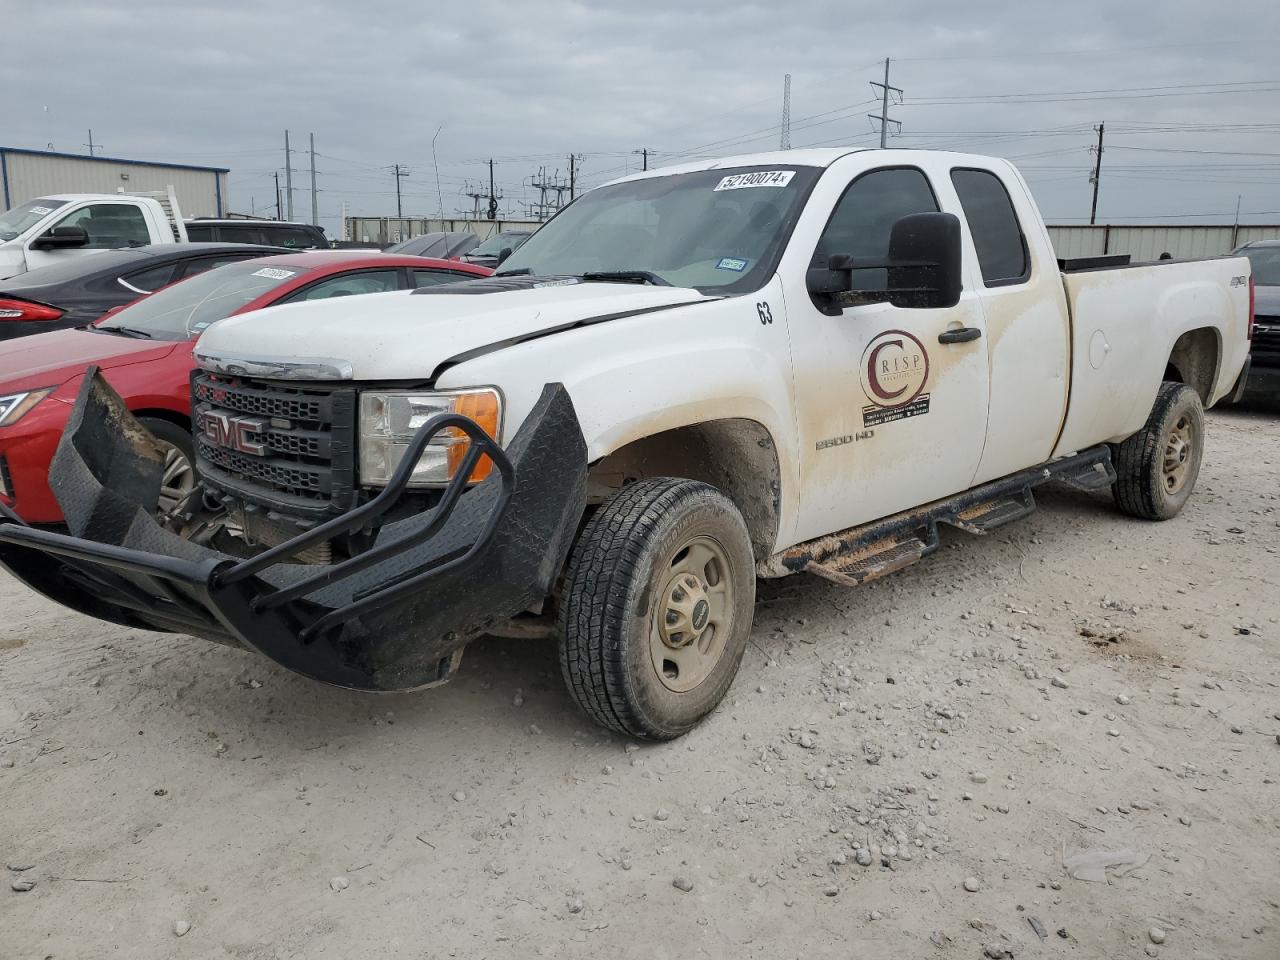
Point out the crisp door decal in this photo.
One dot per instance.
(894, 372)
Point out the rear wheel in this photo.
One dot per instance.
(657, 607)
(179, 477)
(1156, 468)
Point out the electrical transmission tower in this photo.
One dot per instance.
(785, 144)
(883, 115)
(551, 191)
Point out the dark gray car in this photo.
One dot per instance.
(442, 246)
(1264, 353)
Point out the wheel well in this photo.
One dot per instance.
(735, 456)
(177, 419)
(1194, 361)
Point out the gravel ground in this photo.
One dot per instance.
(898, 770)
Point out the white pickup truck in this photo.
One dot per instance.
(50, 229)
(688, 379)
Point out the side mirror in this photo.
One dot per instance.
(503, 254)
(61, 237)
(922, 267)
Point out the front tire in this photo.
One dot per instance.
(1157, 467)
(656, 610)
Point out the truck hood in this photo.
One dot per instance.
(51, 359)
(408, 335)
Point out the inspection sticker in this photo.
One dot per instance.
(41, 211)
(761, 178)
(274, 273)
(736, 264)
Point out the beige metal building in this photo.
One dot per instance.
(387, 230)
(27, 174)
(1148, 241)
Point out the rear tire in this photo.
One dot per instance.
(179, 465)
(657, 606)
(1157, 467)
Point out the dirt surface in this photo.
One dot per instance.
(1073, 682)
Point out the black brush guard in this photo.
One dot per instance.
(395, 617)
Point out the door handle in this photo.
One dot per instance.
(959, 335)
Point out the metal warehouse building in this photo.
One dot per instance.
(27, 174)
(1148, 241)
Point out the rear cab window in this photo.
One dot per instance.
(1002, 250)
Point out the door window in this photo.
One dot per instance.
(862, 220)
(145, 281)
(189, 268)
(239, 234)
(433, 278)
(199, 233)
(288, 236)
(349, 285)
(997, 235)
(109, 225)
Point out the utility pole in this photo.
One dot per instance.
(883, 115)
(1096, 178)
(785, 143)
(493, 197)
(644, 157)
(400, 173)
(288, 175)
(573, 176)
(315, 209)
(277, 176)
(90, 144)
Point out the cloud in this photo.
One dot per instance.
(530, 83)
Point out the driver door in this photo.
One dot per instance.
(108, 225)
(890, 416)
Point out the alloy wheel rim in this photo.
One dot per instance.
(692, 616)
(177, 481)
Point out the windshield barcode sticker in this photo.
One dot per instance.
(272, 273)
(763, 178)
(41, 211)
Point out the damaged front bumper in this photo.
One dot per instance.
(395, 617)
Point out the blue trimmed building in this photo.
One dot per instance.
(27, 174)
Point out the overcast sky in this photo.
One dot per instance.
(1189, 91)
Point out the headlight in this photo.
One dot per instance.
(388, 422)
(16, 405)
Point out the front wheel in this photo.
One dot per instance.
(179, 477)
(1157, 467)
(657, 606)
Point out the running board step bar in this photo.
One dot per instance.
(864, 553)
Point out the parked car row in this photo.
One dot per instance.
(144, 347)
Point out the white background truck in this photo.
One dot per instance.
(799, 361)
(49, 229)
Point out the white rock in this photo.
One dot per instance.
(180, 928)
(972, 885)
(338, 884)
(1157, 935)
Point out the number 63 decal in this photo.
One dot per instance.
(766, 315)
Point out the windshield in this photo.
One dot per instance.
(1266, 265)
(15, 222)
(494, 245)
(716, 230)
(183, 310)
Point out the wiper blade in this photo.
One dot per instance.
(625, 276)
(126, 332)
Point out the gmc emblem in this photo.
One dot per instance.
(225, 430)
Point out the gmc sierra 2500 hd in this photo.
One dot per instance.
(689, 378)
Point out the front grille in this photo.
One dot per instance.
(1266, 341)
(302, 458)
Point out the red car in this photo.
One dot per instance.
(145, 352)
